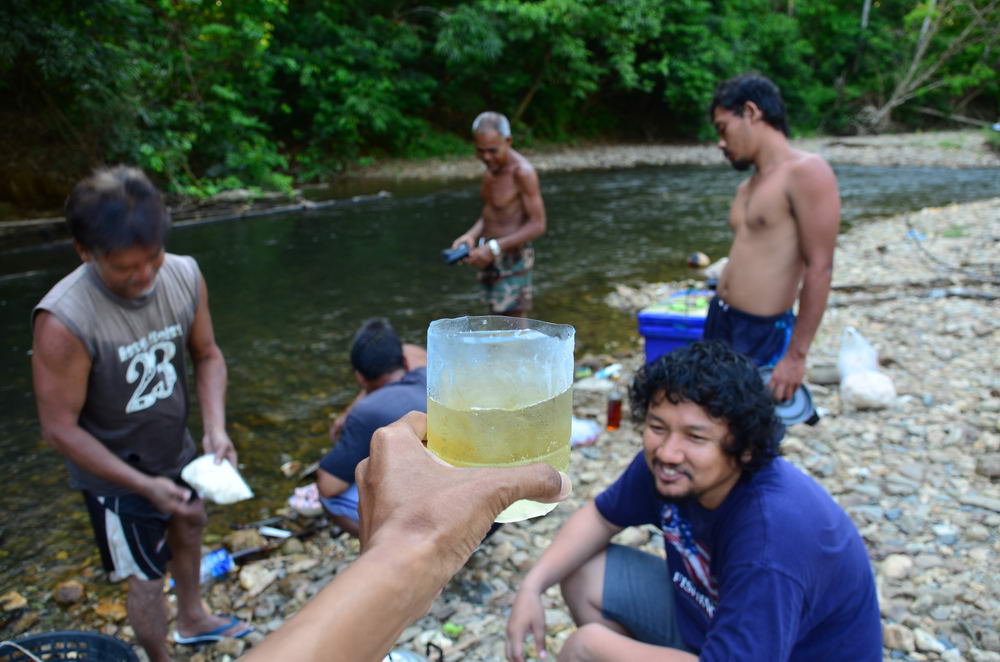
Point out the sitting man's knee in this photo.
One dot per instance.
(581, 644)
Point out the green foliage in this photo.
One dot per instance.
(207, 94)
(992, 137)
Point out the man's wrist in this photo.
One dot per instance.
(494, 247)
(796, 354)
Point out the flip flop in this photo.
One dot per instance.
(214, 635)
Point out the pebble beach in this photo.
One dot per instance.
(920, 478)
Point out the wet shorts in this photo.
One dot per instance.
(345, 503)
(763, 339)
(639, 595)
(131, 535)
(507, 284)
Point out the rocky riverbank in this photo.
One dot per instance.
(920, 478)
(946, 149)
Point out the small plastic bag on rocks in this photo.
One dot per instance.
(862, 384)
(219, 483)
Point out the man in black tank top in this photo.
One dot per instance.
(108, 362)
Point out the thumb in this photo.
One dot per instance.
(538, 482)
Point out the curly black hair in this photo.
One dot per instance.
(722, 382)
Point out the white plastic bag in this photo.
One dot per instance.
(584, 432)
(862, 385)
(219, 483)
(856, 354)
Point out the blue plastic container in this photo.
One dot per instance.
(676, 322)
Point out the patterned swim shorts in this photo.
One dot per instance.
(507, 284)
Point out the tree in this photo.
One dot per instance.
(950, 30)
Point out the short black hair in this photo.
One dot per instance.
(115, 209)
(733, 94)
(726, 385)
(376, 349)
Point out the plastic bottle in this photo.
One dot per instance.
(614, 418)
(215, 564)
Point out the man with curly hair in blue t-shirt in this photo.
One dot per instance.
(761, 563)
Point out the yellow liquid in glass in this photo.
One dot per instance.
(470, 437)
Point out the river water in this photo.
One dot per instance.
(287, 292)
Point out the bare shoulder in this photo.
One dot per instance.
(523, 170)
(810, 170)
(54, 343)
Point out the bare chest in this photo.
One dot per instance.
(500, 192)
(761, 206)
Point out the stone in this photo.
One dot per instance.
(898, 637)
(979, 655)
(255, 577)
(927, 642)
(12, 601)
(110, 609)
(980, 502)
(238, 541)
(24, 622)
(68, 592)
(632, 536)
(293, 546)
(988, 465)
(502, 552)
(303, 565)
(230, 646)
(897, 566)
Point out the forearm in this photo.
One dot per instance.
(812, 304)
(211, 379)
(380, 594)
(84, 450)
(476, 231)
(585, 534)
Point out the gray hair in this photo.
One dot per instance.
(491, 121)
(116, 208)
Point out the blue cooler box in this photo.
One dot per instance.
(678, 321)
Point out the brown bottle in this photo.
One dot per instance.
(614, 408)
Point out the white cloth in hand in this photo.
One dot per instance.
(219, 483)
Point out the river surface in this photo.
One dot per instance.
(287, 292)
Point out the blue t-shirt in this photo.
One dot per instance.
(386, 405)
(777, 572)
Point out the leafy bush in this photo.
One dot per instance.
(207, 94)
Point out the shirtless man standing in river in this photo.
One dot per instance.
(785, 218)
(513, 215)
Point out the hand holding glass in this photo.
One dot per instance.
(499, 393)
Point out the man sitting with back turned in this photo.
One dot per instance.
(761, 563)
(393, 380)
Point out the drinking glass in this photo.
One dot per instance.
(499, 393)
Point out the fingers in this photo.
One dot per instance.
(779, 390)
(538, 634)
(183, 493)
(415, 422)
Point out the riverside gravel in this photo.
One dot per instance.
(919, 478)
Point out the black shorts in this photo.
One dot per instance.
(131, 535)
